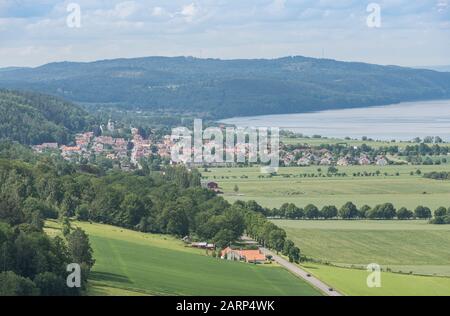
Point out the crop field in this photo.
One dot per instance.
(351, 142)
(133, 263)
(394, 184)
(354, 282)
(406, 246)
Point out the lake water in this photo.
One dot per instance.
(403, 121)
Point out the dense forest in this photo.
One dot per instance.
(225, 88)
(32, 118)
(170, 201)
(31, 262)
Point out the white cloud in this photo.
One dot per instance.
(226, 29)
(189, 11)
(442, 5)
(158, 11)
(125, 9)
(279, 5)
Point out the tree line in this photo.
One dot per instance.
(386, 211)
(436, 175)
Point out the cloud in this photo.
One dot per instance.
(125, 9)
(413, 32)
(277, 6)
(158, 11)
(189, 11)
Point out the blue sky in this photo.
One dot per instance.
(412, 33)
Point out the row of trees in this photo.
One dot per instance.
(351, 211)
(270, 235)
(437, 175)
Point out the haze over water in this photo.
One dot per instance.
(403, 121)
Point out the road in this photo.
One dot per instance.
(301, 273)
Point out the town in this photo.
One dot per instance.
(126, 151)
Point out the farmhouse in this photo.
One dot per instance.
(304, 162)
(249, 256)
(343, 162)
(364, 161)
(325, 162)
(213, 186)
(382, 162)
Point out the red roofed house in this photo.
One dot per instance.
(249, 256)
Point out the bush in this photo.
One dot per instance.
(349, 211)
(329, 212)
(404, 213)
(312, 212)
(15, 285)
(440, 212)
(422, 212)
(82, 212)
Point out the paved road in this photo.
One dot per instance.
(301, 273)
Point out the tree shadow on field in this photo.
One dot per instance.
(109, 277)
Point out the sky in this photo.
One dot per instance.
(409, 33)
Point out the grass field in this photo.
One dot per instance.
(403, 190)
(352, 142)
(353, 282)
(398, 245)
(132, 263)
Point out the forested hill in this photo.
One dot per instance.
(225, 88)
(32, 118)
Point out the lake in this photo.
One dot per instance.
(403, 121)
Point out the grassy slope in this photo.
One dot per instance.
(160, 265)
(403, 190)
(400, 245)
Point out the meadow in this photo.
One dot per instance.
(133, 263)
(353, 282)
(316, 141)
(398, 186)
(406, 246)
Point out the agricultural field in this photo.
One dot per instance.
(133, 263)
(351, 142)
(406, 246)
(353, 282)
(394, 184)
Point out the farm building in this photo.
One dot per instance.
(213, 186)
(382, 162)
(249, 256)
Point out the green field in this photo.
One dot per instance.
(353, 282)
(352, 142)
(403, 190)
(132, 263)
(407, 246)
